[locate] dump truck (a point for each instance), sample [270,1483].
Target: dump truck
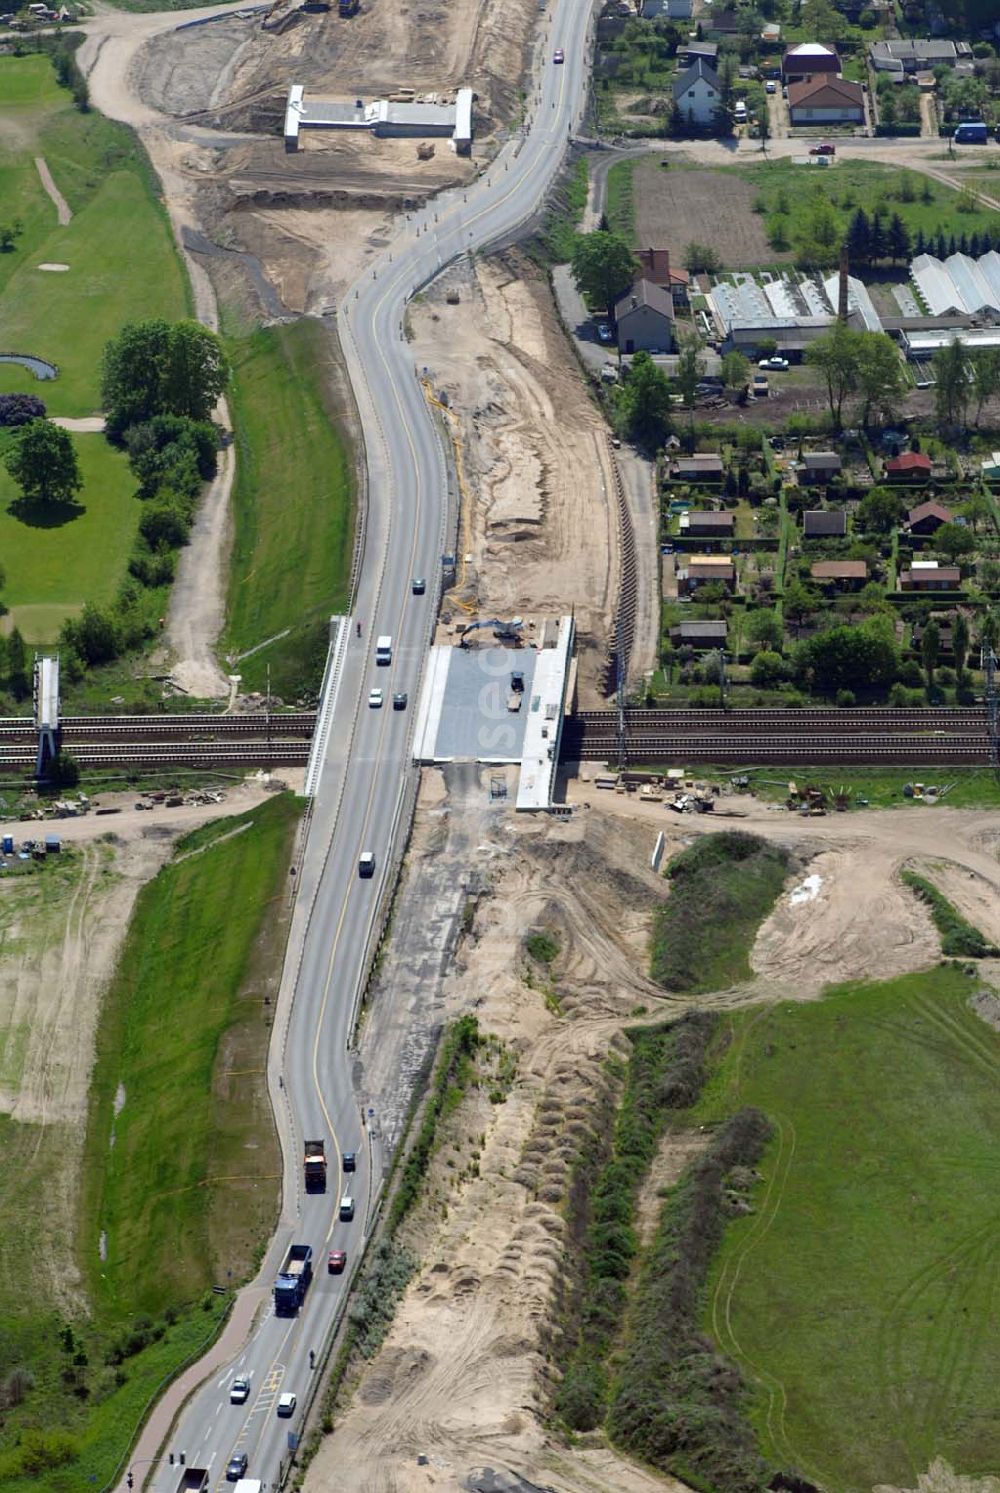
[293,1280]
[193,1480]
[315,1166]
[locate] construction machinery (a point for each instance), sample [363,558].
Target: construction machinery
[293,1280]
[347,7]
[505,632]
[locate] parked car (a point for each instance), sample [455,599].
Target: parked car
[375,699]
[824,149]
[558,56]
[286,1405]
[604,333]
[770,86]
[239,1391]
[336,1263]
[237,1467]
[773,362]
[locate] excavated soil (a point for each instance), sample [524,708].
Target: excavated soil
[539,520]
[463,1380]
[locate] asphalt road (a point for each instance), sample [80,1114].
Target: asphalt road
[367,765]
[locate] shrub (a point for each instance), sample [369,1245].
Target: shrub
[20,409]
[542,947]
[959,939]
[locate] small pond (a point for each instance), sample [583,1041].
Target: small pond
[37,366]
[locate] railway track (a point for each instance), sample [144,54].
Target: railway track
[173,754]
[753,747]
[640,724]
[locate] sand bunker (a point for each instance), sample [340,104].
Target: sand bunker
[55,268]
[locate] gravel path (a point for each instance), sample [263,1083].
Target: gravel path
[59,201]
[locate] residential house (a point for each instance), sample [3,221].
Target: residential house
[701,635]
[822,523]
[770,34]
[928,575]
[991,467]
[672,10]
[698,94]
[819,467]
[946,636]
[927,518]
[913,56]
[656,266]
[699,525]
[699,570]
[840,575]
[909,466]
[644,318]
[707,466]
[826,100]
[689,52]
[809,60]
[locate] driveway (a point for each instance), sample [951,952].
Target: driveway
[578,321]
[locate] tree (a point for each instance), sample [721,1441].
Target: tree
[951,391]
[799,601]
[767,669]
[161,368]
[18,409]
[879,511]
[880,378]
[603,267]
[43,463]
[764,628]
[977,509]
[852,658]
[735,370]
[985,376]
[689,369]
[930,648]
[898,239]
[953,541]
[700,259]
[835,354]
[646,402]
[859,240]
[960,643]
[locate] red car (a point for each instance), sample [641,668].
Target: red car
[823,150]
[335,1264]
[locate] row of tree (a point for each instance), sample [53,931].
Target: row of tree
[964,377]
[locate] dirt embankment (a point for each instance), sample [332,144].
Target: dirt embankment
[464,1378]
[538,514]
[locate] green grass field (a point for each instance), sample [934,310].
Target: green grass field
[293,502]
[192,935]
[55,561]
[859,1296]
[104,174]
[852,184]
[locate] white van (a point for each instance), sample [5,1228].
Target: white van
[346,1208]
[383,649]
[740,112]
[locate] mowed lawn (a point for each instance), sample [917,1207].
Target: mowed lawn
[860,1298]
[294,493]
[56,560]
[122,267]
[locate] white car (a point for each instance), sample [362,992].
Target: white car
[375,699]
[239,1391]
[286,1405]
[773,363]
[770,86]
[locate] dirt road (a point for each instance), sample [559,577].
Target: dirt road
[62,207]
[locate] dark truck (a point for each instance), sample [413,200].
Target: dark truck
[293,1279]
[193,1480]
[315,1166]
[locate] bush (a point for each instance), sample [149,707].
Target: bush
[721,888]
[959,939]
[542,947]
[20,409]
[846,699]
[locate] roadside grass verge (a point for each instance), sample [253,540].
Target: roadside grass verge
[553,244]
[872,1240]
[959,939]
[722,887]
[58,557]
[179,989]
[293,505]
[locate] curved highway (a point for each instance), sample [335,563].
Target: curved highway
[364,775]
